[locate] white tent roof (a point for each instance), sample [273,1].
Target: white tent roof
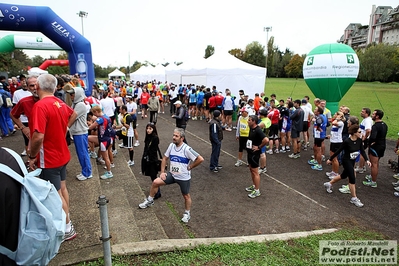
[223,71]
[149,73]
[116,73]
[35,71]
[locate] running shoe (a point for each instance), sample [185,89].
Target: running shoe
[312,162]
[107,175]
[186,217]
[238,163]
[146,203]
[70,235]
[317,167]
[250,188]
[357,202]
[328,187]
[344,189]
[254,194]
[370,184]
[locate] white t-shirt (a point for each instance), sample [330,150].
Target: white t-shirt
[108,105]
[131,106]
[336,133]
[173,94]
[366,124]
[180,158]
[307,112]
[18,95]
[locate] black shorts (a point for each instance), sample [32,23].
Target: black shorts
[305,126]
[273,132]
[144,106]
[377,151]
[228,112]
[318,142]
[335,146]
[253,159]
[242,143]
[54,175]
[295,134]
[193,104]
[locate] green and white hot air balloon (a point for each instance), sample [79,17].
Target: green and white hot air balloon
[329,71]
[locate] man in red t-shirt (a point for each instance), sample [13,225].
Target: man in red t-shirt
[274,116]
[48,125]
[24,107]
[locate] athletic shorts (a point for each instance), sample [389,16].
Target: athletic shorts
[295,134]
[200,106]
[193,104]
[318,142]
[253,159]
[105,144]
[184,184]
[54,175]
[377,151]
[305,126]
[242,143]
[273,132]
[228,112]
[128,142]
[335,146]
[144,106]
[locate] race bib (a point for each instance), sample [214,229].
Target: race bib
[249,144]
[353,155]
[175,169]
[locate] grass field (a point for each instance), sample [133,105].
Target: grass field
[301,251]
[373,95]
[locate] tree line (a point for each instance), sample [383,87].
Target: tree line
[378,62]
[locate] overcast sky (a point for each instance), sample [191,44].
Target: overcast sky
[159,31]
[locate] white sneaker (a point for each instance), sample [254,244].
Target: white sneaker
[328,187]
[121,145]
[331,174]
[130,163]
[360,170]
[114,152]
[81,177]
[323,158]
[23,153]
[112,165]
[357,202]
[137,143]
[396,194]
[269,152]
[238,163]
[262,170]
[146,203]
[101,160]
[186,217]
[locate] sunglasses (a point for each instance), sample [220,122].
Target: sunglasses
[150,123]
[359,131]
[32,85]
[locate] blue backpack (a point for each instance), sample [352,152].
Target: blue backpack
[42,220]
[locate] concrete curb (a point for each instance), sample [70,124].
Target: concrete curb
[165,245]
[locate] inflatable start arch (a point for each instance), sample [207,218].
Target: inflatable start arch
[43,19]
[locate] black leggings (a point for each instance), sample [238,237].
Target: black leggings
[349,171]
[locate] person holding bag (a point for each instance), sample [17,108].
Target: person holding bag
[150,154]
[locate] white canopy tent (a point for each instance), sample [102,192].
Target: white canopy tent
[223,71]
[116,74]
[149,73]
[35,71]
